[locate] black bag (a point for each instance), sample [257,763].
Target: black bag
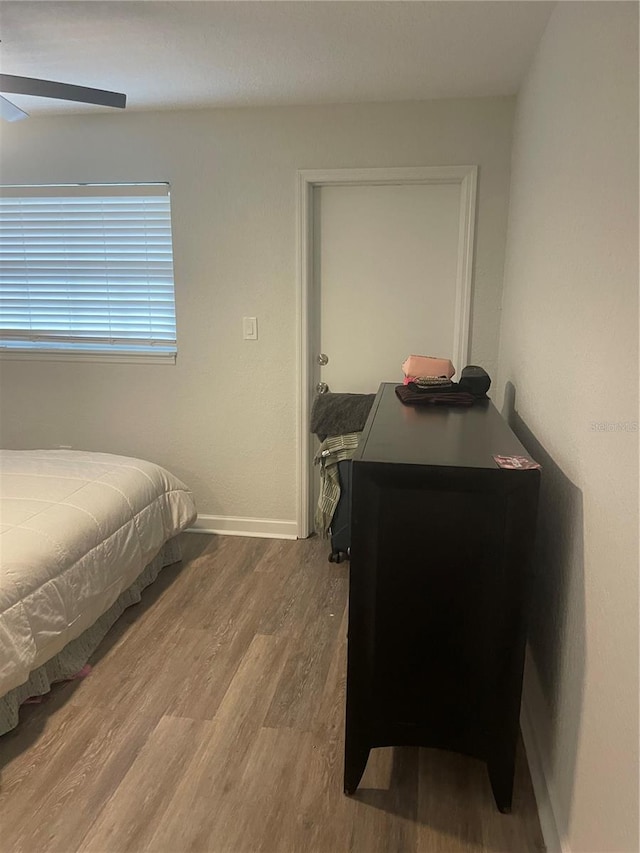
[341,521]
[475,380]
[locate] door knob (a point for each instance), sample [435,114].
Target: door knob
[322,387]
[323,359]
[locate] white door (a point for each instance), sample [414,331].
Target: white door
[385,260]
[385,273]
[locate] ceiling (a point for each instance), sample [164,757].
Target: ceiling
[166,55]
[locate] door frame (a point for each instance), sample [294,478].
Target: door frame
[308,180]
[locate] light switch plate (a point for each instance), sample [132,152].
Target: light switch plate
[250,328]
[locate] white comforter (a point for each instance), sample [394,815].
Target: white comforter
[76,529]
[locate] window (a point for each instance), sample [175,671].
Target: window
[87,271]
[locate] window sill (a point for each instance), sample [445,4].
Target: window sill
[121,357]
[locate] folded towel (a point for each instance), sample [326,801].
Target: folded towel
[426,398]
[449,388]
[337,414]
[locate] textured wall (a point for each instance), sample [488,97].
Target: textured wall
[224,417]
[568,371]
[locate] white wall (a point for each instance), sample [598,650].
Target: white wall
[224,417]
[569,361]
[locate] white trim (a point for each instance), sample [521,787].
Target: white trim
[393,175]
[466,177]
[466,233]
[62,355]
[158,189]
[553,841]
[229,525]
[303,242]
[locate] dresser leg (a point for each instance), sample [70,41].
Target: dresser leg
[501,773]
[355,761]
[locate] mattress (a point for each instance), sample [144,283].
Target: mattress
[76,529]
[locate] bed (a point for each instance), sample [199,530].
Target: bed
[81,534]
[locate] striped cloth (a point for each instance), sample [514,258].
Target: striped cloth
[333,449]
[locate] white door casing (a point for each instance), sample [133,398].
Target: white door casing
[465,177]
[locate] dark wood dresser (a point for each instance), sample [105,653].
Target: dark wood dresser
[439,586]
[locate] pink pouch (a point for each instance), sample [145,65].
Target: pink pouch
[425,365]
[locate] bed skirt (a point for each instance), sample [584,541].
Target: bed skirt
[76,653]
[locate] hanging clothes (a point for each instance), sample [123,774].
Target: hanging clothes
[333,449]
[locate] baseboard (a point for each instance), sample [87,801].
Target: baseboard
[554,842]
[229,525]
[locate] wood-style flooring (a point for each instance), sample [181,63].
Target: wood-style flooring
[213,722]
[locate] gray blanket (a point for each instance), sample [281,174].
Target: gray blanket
[336,414]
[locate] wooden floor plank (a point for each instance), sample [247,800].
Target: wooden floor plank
[213,721]
[293,587]
[452,803]
[301,685]
[209,788]
[129,818]
[92,753]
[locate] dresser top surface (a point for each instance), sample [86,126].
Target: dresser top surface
[439,436]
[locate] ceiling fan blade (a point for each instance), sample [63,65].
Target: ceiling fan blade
[9,111]
[63,91]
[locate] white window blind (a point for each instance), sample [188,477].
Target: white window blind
[87,269]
